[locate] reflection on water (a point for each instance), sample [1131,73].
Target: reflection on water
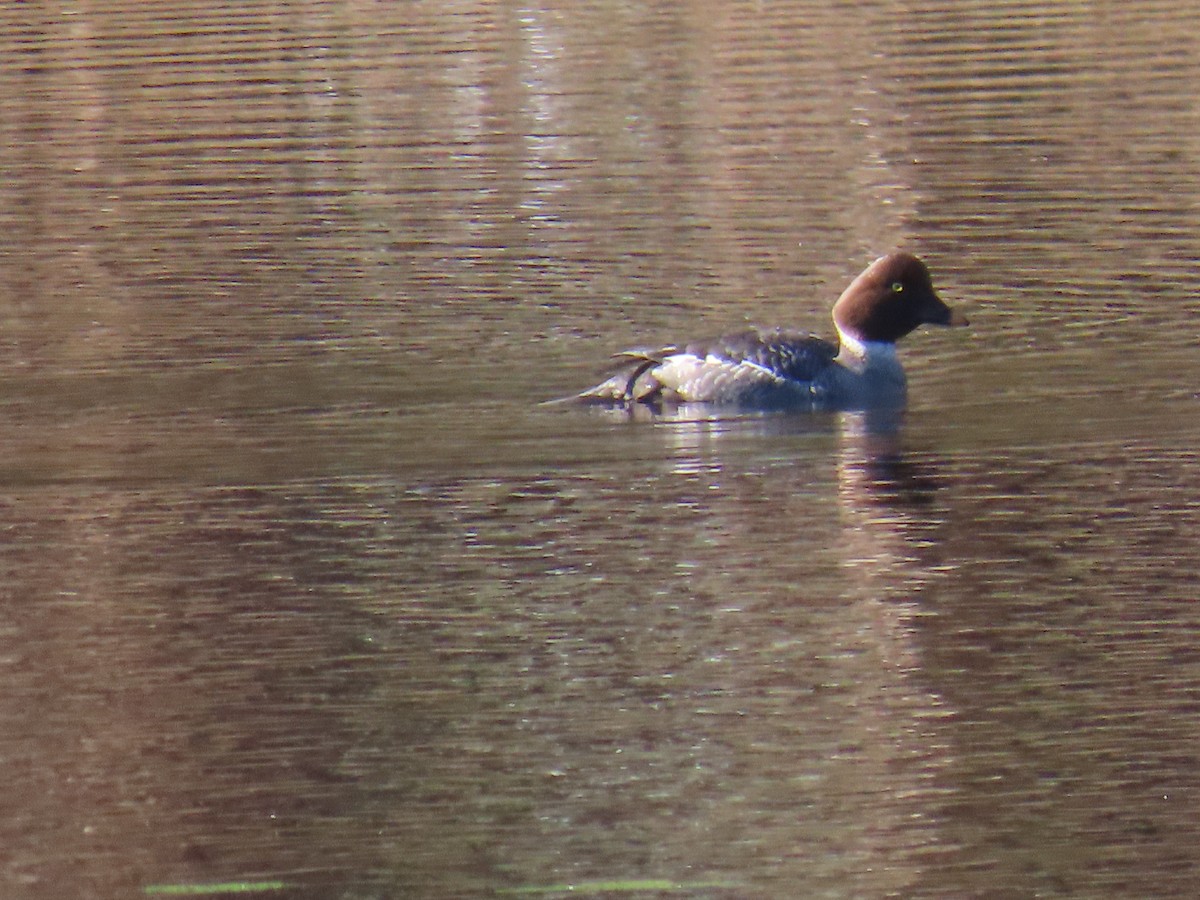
[802,657]
[303,585]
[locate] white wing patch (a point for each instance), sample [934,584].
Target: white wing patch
[712,379]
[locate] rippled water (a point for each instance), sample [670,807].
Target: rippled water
[305,592]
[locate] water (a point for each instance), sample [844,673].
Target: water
[304,589]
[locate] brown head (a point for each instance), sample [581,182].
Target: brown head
[893,296]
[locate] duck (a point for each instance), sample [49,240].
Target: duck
[778,368]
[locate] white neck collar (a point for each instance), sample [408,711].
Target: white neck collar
[859,354]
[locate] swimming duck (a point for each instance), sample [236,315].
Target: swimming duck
[780,369]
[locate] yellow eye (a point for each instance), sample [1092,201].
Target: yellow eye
[897,287]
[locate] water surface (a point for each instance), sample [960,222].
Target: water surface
[303,588]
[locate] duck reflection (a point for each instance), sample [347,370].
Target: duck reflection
[808,545]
